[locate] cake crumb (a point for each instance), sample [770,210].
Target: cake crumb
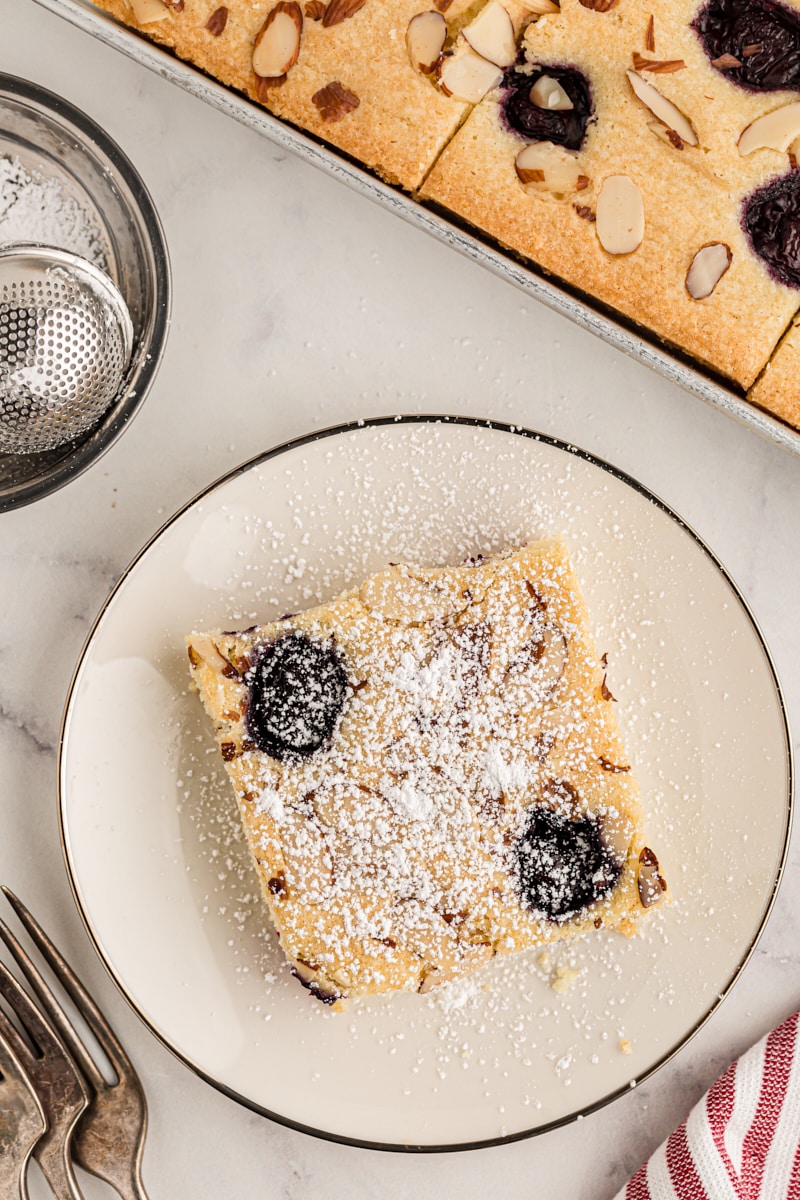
[564,979]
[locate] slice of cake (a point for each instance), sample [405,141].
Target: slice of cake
[430,773]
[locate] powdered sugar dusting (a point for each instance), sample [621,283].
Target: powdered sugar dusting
[35,209]
[388,866]
[270,801]
[455,494]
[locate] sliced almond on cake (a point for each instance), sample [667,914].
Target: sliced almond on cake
[334,101]
[277,44]
[551,166]
[467,76]
[204,649]
[217,21]
[549,94]
[540,7]
[148,11]
[337,11]
[651,883]
[491,35]
[425,38]
[669,136]
[776,130]
[657,66]
[707,268]
[662,108]
[620,215]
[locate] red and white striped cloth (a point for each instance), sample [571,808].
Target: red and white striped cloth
[742,1140]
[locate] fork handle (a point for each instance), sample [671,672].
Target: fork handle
[23,1180]
[127,1183]
[57,1170]
[13,1174]
[132,1190]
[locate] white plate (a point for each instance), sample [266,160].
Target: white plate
[164,883]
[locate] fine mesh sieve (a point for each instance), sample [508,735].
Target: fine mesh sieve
[65,345]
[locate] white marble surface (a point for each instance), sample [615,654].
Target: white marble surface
[297,304]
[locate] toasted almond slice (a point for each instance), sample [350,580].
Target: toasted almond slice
[707,268]
[425,38]
[665,135]
[278,42]
[774,131]
[491,35]
[335,101]
[217,21]
[148,11]
[620,215]
[551,166]
[651,883]
[548,93]
[662,108]
[314,978]
[202,648]
[616,832]
[661,131]
[540,7]
[337,11]
[650,35]
[657,66]
[467,76]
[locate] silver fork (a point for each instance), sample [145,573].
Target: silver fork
[22,1123]
[56,1081]
[108,1139]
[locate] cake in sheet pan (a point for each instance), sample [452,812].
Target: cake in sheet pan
[646,203]
[430,773]
[351,79]
[666,198]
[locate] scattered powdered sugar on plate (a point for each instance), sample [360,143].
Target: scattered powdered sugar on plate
[525,1041]
[419,517]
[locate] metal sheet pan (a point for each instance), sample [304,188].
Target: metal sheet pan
[581,310]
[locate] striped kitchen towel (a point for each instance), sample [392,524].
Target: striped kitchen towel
[742,1140]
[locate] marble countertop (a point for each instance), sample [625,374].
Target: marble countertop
[297,306]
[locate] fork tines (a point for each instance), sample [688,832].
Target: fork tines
[99,1125]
